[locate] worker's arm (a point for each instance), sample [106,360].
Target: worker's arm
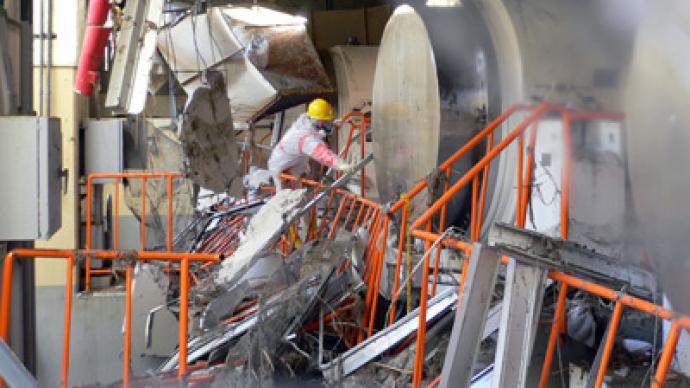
[312,145]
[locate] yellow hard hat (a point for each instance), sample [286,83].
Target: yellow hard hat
[321,109]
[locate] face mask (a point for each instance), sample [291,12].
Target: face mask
[324,127]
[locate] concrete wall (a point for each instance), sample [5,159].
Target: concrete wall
[95,342]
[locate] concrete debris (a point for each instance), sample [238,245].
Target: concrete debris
[265,317]
[208,138]
[285,296]
[261,232]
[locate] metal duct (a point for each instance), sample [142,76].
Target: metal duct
[266,57]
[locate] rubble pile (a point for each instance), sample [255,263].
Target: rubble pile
[286,303]
[290,303]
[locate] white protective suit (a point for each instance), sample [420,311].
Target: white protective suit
[301,142]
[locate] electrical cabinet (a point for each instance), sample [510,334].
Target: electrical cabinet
[31,176]
[103,146]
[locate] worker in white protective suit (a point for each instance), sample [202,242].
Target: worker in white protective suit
[304,140]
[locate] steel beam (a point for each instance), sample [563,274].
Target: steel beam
[12,370]
[522,301]
[470,318]
[566,256]
[374,346]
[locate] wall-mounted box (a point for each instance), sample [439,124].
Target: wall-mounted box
[103,146]
[31,176]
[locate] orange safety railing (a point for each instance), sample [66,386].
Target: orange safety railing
[357,121]
[355,210]
[117,179]
[477,177]
[71,256]
[346,210]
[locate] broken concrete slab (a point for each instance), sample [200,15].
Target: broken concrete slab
[208,138]
[262,232]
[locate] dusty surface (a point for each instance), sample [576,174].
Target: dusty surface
[267,66]
[406,105]
[261,230]
[208,138]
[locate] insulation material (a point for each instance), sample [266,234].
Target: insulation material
[262,230]
[406,107]
[269,63]
[261,17]
[208,138]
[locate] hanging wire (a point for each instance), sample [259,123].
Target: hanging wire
[199,58]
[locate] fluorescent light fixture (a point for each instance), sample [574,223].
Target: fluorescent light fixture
[443,3]
[261,16]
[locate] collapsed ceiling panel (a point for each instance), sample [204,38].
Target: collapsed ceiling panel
[246,88]
[208,138]
[131,71]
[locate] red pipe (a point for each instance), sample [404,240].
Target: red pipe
[95,38]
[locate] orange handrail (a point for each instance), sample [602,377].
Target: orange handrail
[421,228]
[352,211]
[117,179]
[363,122]
[71,256]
